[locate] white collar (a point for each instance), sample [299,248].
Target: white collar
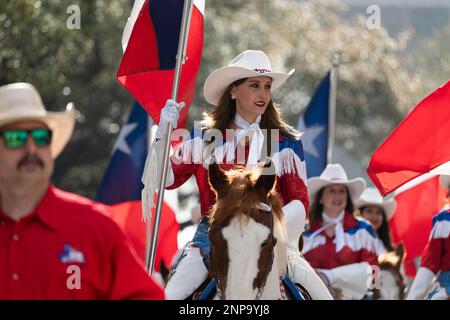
[256,143]
[242,124]
[327,219]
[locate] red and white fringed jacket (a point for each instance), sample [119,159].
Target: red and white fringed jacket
[350,268]
[289,161]
[436,255]
[359,245]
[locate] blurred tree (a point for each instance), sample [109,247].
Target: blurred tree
[374,91]
[65,65]
[433,59]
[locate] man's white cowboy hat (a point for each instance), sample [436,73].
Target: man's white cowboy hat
[372,197]
[335,174]
[445,181]
[22,102]
[250,63]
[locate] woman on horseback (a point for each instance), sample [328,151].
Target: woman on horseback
[377,211]
[435,257]
[244,121]
[339,246]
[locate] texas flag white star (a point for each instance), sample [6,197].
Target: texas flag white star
[311,133]
[121,143]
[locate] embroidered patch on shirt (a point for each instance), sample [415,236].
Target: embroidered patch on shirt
[70,254]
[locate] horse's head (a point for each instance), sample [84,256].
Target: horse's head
[392,282]
[246,232]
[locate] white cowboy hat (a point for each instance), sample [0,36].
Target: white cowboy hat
[21,102]
[335,174]
[250,63]
[372,197]
[445,181]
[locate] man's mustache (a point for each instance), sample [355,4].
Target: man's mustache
[30,158]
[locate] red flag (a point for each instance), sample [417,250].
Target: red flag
[411,222]
[147,66]
[419,144]
[128,216]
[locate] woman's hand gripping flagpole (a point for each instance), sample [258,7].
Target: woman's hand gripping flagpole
[148,193]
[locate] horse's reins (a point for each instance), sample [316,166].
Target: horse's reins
[266,208]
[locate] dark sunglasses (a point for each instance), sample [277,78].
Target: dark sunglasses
[17,138]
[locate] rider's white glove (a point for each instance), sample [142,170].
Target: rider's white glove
[169,114]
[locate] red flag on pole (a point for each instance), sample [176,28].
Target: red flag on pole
[148,65]
[411,222]
[418,145]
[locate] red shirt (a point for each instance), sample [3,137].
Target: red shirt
[360,245]
[68,248]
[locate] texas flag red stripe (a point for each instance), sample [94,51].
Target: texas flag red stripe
[146,70]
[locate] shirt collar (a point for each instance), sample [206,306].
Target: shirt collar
[45,210]
[348,223]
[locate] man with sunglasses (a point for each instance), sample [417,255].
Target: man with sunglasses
[54,244]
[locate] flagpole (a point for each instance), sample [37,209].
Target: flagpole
[181,56]
[332,109]
[150,123]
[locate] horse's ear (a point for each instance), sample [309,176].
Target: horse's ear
[266,180]
[217,178]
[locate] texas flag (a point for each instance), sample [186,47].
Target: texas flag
[314,124]
[419,145]
[148,65]
[121,189]
[417,202]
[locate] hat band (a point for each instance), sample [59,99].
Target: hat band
[262,70]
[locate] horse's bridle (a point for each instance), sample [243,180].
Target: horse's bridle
[272,241]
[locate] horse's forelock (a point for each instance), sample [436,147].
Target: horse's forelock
[240,197]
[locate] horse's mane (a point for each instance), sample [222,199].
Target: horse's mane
[238,200]
[393,258]
[389,259]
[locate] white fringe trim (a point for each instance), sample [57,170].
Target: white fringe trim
[312,243]
[149,180]
[441,230]
[286,160]
[190,151]
[361,239]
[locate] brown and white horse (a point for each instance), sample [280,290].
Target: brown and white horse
[392,286]
[247,234]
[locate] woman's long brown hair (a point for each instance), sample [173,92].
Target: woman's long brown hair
[222,116]
[383,231]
